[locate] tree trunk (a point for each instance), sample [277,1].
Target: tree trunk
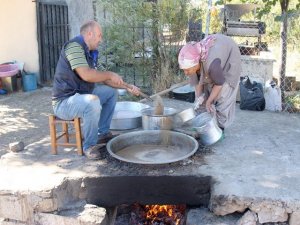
[283,45]
[208,18]
[155,44]
[163,74]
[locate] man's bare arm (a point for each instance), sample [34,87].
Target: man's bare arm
[94,76]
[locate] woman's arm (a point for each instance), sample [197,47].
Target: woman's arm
[216,74]
[213,95]
[198,90]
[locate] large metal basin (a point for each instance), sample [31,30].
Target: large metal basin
[127,115]
[152,146]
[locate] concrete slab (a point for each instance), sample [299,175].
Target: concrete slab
[255,167]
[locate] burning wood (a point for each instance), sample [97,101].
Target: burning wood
[157,214]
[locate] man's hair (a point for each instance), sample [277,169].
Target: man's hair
[88,26]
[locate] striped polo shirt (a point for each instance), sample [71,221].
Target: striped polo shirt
[75,55]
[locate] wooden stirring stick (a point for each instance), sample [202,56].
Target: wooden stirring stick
[141,93]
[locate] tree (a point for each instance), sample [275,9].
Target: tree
[284,5]
[173,14]
[163,24]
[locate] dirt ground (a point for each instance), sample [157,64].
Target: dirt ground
[24,117]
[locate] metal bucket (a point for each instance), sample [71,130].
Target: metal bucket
[206,126]
[158,122]
[186,115]
[152,146]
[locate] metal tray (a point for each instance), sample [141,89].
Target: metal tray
[152,147]
[184,89]
[185,93]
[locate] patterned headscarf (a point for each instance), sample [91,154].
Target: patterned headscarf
[194,52]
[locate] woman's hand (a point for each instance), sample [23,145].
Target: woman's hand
[199,101]
[209,107]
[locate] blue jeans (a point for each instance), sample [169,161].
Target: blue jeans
[96,110]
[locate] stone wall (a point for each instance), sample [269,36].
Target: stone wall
[258,68]
[62,205]
[79,12]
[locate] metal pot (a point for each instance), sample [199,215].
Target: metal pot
[186,115]
[152,146]
[158,122]
[206,126]
[127,115]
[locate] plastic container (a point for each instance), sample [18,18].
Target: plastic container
[8,70]
[3,92]
[29,82]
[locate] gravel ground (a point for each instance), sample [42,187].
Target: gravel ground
[24,117]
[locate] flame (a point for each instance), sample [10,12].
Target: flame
[156,212]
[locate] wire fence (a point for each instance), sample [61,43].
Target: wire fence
[272,59]
[267,55]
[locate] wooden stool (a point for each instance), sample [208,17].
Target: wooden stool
[53,120]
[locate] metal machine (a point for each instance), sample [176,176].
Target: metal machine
[235,26]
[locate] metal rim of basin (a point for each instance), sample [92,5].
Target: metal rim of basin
[129,135]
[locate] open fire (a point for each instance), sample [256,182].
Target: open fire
[157,214]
